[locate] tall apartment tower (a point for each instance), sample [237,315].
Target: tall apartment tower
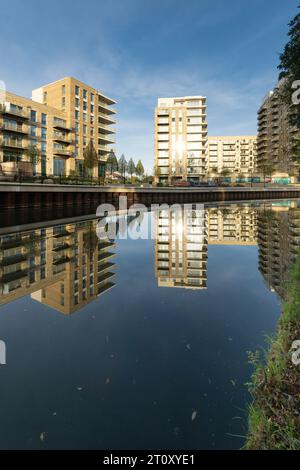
[276,138]
[89,114]
[181,248]
[180,139]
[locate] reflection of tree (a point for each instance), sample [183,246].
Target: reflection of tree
[90,240]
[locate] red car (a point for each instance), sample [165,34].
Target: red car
[181,183]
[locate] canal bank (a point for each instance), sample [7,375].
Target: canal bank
[16,195]
[274,415]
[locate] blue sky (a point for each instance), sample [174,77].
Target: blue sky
[138,50]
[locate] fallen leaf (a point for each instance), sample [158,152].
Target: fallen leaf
[43,436]
[194,414]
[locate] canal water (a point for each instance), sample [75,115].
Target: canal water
[139,341]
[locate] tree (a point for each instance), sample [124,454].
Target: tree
[112,162]
[34,156]
[225,173]
[267,169]
[289,67]
[90,158]
[123,166]
[139,169]
[131,168]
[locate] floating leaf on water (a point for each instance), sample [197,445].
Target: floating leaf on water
[43,436]
[188,346]
[107,381]
[233,382]
[54,413]
[194,415]
[79,389]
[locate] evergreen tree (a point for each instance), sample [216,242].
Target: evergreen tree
[90,158]
[131,168]
[123,166]
[139,168]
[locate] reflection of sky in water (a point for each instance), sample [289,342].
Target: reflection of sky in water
[131,368]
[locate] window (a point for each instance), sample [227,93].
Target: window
[43,148]
[45,97]
[76,114]
[92,97]
[33,131]
[84,106]
[33,115]
[63,90]
[44,133]
[92,108]
[76,127]
[44,119]
[84,94]
[84,117]
[76,102]
[63,102]
[84,129]
[77,90]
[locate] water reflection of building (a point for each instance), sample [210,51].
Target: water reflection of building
[278,242]
[181,248]
[64,267]
[232,225]
[182,240]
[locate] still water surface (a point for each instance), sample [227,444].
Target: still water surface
[139,343]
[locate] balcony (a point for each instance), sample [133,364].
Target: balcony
[12,143]
[105,119]
[63,152]
[102,139]
[103,129]
[11,127]
[60,124]
[105,109]
[61,137]
[16,112]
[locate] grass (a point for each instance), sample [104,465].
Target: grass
[274,415]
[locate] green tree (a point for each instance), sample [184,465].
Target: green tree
[225,173]
[123,167]
[267,169]
[289,67]
[34,156]
[131,168]
[90,158]
[112,162]
[139,169]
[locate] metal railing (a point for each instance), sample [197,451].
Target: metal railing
[50,179]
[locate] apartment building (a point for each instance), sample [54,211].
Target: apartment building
[89,276]
[276,139]
[64,267]
[180,139]
[60,121]
[233,156]
[232,225]
[181,248]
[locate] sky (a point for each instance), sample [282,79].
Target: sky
[138,50]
